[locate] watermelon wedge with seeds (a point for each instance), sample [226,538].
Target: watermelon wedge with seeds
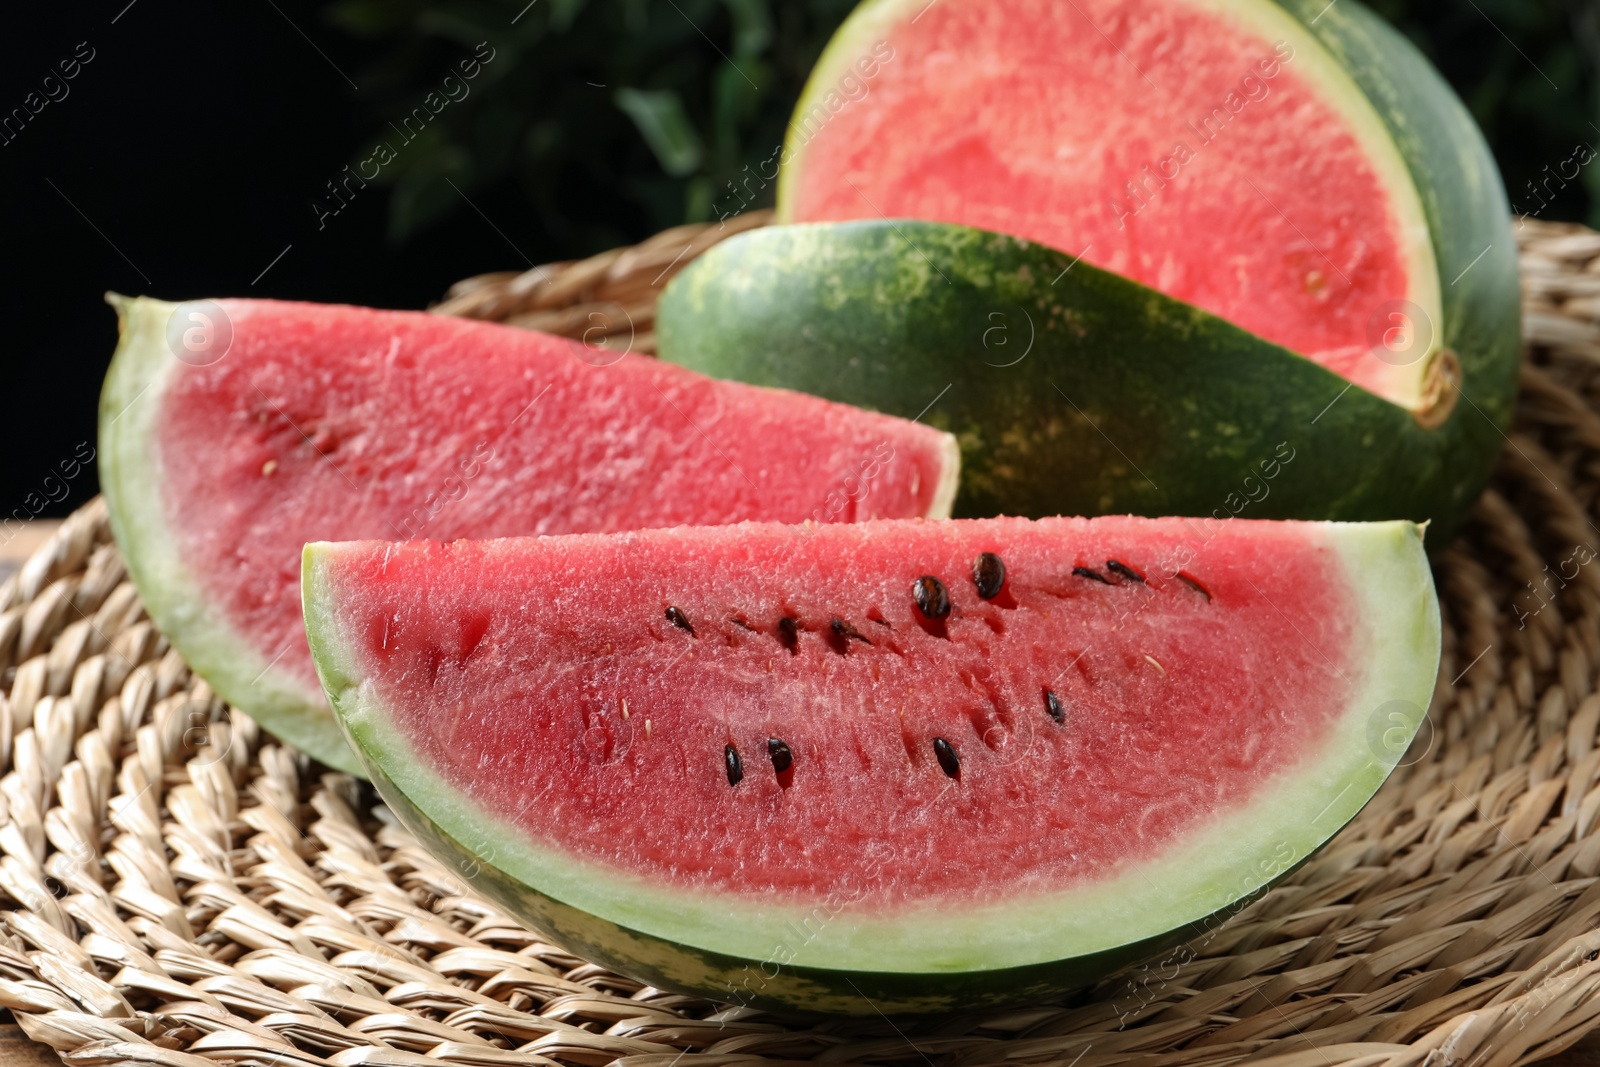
[234,431]
[898,765]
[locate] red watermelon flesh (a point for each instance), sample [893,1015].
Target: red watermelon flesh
[323,421]
[1122,691]
[1216,155]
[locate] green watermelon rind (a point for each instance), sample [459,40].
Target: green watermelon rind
[1130,432]
[919,960]
[1127,401]
[130,478]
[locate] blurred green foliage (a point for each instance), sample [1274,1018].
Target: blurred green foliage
[612,119]
[1527,70]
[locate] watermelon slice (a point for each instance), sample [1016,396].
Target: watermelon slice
[1305,244]
[895,766]
[1216,152]
[234,431]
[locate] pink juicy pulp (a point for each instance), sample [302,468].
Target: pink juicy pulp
[1031,117]
[542,679]
[326,422]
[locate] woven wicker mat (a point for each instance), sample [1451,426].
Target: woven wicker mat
[188,892]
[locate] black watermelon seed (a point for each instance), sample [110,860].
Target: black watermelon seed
[1194,583]
[789,633]
[989,575]
[730,756]
[740,622]
[949,762]
[933,599]
[844,631]
[1052,704]
[680,620]
[1085,572]
[1122,570]
[778,752]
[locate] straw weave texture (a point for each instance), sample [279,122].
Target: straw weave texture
[181,890]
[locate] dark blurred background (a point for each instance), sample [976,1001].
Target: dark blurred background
[192,152]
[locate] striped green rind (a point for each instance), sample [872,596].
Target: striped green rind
[1127,401]
[1071,390]
[827,956]
[131,479]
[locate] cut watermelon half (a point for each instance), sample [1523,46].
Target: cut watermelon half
[895,766]
[233,432]
[1218,152]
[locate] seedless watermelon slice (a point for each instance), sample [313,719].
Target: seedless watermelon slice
[894,766]
[1216,151]
[234,431]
